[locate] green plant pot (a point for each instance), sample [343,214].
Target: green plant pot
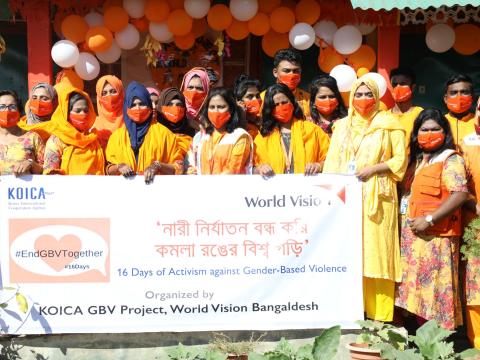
[362,352]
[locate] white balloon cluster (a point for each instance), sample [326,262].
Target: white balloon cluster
[345,76]
[440,38]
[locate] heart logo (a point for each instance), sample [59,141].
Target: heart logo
[57,250]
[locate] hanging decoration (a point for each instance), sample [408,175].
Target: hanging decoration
[3,47]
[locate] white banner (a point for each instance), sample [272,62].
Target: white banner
[186,253]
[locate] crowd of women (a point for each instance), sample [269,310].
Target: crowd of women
[420,169]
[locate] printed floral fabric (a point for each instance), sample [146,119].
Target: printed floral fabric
[28,146]
[53,155]
[429,286]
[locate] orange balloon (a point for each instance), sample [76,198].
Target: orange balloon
[110,3]
[291,4]
[259,24]
[141,24]
[184,42]
[69,77]
[74,28]
[273,41]
[199,27]
[467,39]
[219,17]
[267,6]
[328,59]
[282,19]
[364,57]
[157,10]
[179,22]
[362,71]
[99,38]
[238,30]
[346,98]
[115,18]
[307,11]
[57,23]
[176,4]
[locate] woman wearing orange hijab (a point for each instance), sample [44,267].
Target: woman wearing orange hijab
[110,96]
[73,149]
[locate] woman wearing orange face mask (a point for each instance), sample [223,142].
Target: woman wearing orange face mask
[247,94]
[195,87]
[172,114]
[326,103]
[73,149]
[223,147]
[459,99]
[142,146]
[20,152]
[110,95]
[435,187]
[370,144]
[287,144]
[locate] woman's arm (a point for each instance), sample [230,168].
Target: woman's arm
[52,161]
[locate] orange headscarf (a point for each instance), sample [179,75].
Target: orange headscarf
[108,121]
[83,155]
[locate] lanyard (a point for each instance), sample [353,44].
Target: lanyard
[211,151]
[288,158]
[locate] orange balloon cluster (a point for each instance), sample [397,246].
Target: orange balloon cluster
[282,19]
[179,22]
[238,30]
[74,28]
[364,57]
[259,24]
[115,18]
[273,41]
[141,24]
[219,17]
[157,10]
[99,38]
[184,42]
[328,59]
[267,6]
[467,39]
[199,27]
[307,11]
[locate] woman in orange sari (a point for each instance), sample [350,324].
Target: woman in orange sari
[110,96]
[73,149]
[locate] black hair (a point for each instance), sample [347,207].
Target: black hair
[436,115]
[13,94]
[405,71]
[459,78]
[329,82]
[290,55]
[212,75]
[234,110]
[242,83]
[268,121]
[74,97]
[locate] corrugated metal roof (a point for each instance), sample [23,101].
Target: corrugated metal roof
[412,4]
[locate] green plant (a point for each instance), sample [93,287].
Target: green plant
[226,345]
[375,334]
[471,240]
[181,352]
[285,351]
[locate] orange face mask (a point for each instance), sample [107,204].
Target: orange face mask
[253,106]
[459,104]
[364,106]
[40,107]
[326,106]
[110,102]
[9,118]
[402,93]
[218,119]
[173,113]
[194,98]
[431,140]
[283,112]
[291,80]
[139,115]
[80,121]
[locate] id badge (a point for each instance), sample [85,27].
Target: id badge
[351,168]
[403,205]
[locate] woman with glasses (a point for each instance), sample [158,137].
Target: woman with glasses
[21,152]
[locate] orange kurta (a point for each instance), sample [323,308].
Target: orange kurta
[461,127]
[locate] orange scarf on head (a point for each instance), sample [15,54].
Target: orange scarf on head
[83,155]
[108,121]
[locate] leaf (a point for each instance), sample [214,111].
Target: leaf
[409,354]
[370,325]
[470,353]
[326,344]
[274,355]
[427,337]
[251,356]
[284,347]
[217,355]
[21,302]
[444,349]
[304,352]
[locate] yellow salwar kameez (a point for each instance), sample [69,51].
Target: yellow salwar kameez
[366,142]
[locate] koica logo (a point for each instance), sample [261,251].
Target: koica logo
[59,250]
[26,193]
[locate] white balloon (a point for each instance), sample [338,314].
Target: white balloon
[94,19]
[65,53]
[325,30]
[111,55]
[345,76]
[160,31]
[440,38]
[347,39]
[243,10]
[128,38]
[197,9]
[301,36]
[380,80]
[366,29]
[87,66]
[134,8]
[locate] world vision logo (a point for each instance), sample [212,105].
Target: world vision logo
[59,250]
